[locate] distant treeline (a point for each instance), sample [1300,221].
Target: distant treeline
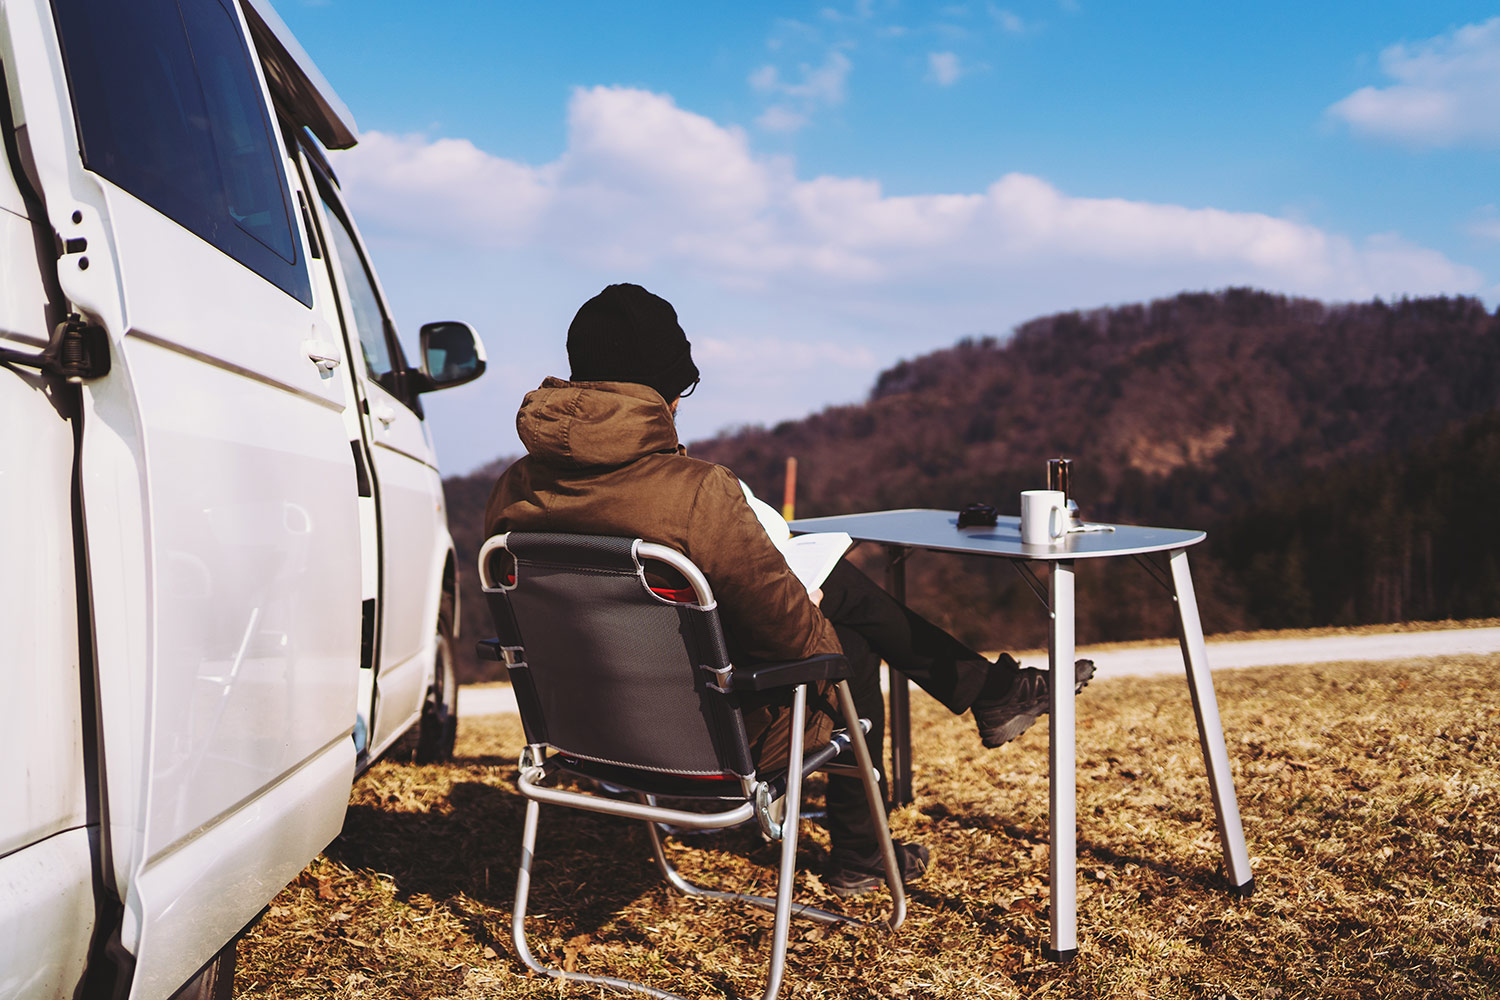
[1404,536]
[1342,458]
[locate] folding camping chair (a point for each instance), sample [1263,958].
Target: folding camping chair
[631,689]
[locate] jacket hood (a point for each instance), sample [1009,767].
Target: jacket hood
[585,424]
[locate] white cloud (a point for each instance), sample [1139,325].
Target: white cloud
[1486,224]
[798,100]
[797,288]
[430,186]
[645,185]
[632,143]
[643,179]
[780,118]
[819,85]
[765,79]
[943,68]
[1008,20]
[1446,91]
[862,10]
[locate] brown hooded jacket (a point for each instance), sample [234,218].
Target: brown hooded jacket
[603,458]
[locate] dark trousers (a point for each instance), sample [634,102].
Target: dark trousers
[873,626]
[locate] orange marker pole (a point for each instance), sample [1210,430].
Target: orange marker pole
[789,496]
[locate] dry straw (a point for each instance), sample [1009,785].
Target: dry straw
[1370,795]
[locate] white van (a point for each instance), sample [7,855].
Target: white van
[226,580]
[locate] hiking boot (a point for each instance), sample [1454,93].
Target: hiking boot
[1004,717]
[856,880]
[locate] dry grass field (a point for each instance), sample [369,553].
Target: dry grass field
[1370,795]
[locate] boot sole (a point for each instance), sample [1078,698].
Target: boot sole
[1009,729]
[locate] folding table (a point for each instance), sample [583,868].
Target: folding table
[905,531]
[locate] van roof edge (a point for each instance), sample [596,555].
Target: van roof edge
[295,80]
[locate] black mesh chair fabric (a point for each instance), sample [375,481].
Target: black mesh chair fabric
[614,673]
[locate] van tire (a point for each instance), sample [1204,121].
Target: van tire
[438,730]
[215,981]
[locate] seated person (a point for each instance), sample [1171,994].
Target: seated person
[603,458]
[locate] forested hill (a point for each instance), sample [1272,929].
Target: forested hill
[1182,408]
[1344,459]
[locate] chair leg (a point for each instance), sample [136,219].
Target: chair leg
[523,887]
[518,920]
[787,876]
[782,906]
[681,883]
[877,806]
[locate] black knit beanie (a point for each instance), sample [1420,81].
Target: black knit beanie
[626,334]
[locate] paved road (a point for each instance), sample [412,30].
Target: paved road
[1147,661]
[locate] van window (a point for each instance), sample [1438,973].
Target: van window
[168,107]
[364,304]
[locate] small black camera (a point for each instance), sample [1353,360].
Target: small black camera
[976,514]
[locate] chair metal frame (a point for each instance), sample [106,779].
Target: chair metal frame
[775,802]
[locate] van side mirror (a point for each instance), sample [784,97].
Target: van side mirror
[452,354]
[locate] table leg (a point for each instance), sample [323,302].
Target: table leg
[898,707]
[1210,729]
[1061,758]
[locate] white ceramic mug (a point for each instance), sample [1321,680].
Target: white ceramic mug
[1044,516]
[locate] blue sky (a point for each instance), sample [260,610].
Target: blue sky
[824,189]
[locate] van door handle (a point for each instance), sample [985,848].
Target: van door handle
[385,415]
[322,354]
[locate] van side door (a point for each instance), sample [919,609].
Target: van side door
[218,487]
[408,486]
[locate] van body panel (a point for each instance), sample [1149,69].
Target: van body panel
[257,581]
[407,489]
[23,297]
[10,198]
[404,685]
[192,559]
[190,902]
[238,579]
[110,460]
[49,917]
[413,533]
[247,561]
[226,594]
[41,724]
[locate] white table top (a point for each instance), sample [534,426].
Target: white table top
[938,530]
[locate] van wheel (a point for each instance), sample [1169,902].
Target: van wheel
[439,726]
[215,981]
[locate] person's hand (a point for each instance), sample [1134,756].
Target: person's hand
[816,596]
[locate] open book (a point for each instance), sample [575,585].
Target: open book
[811,557]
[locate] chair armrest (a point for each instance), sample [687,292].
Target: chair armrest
[768,676]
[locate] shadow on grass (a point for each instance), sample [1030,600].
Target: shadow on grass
[992,919]
[1212,881]
[588,871]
